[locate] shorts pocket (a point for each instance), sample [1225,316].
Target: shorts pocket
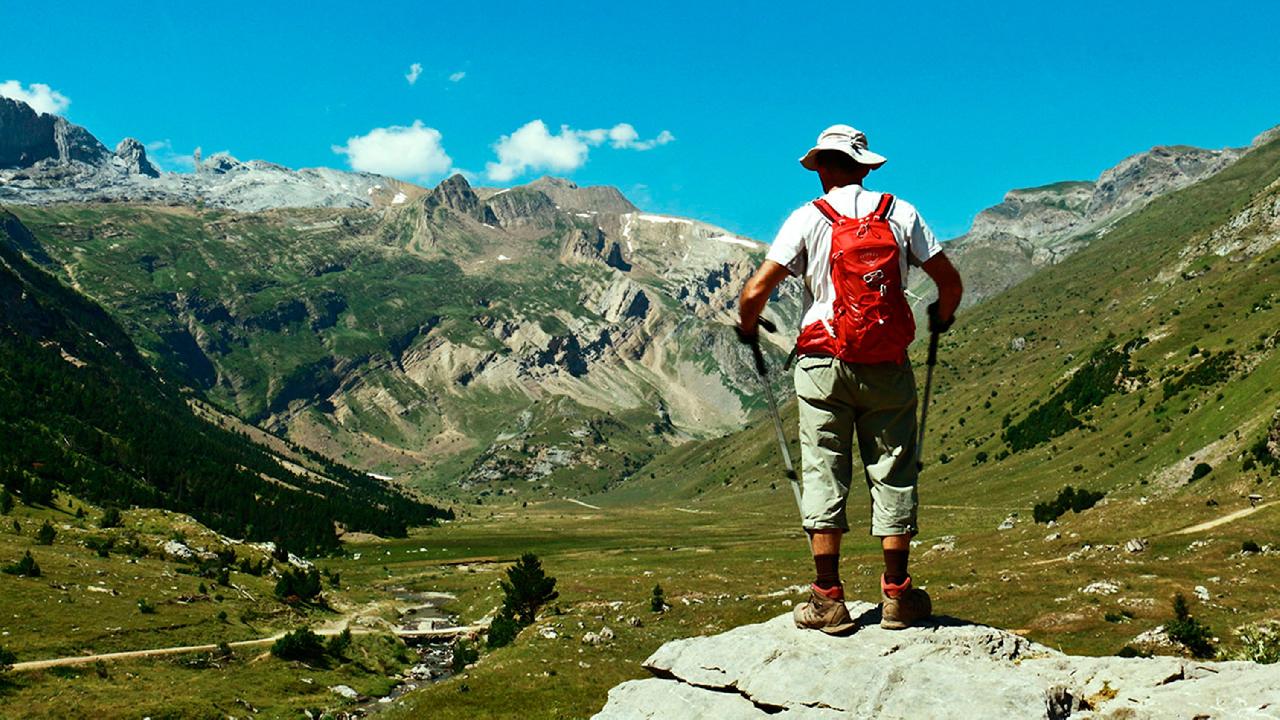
[811,362]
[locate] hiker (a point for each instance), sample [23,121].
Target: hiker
[852,247]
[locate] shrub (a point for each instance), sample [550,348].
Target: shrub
[145,607]
[46,534]
[1259,643]
[464,653]
[1069,498]
[503,630]
[1201,469]
[1087,388]
[298,585]
[6,501]
[26,566]
[102,546]
[110,517]
[338,644]
[1189,632]
[1249,546]
[301,645]
[7,659]
[657,602]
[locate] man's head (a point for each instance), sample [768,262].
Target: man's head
[841,157]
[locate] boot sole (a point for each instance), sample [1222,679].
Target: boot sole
[842,629]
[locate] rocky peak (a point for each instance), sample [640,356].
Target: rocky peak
[522,206]
[133,155]
[1040,226]
[774,669]
[220,164]
[28,137]
[455,193]
[1139,178]
[595,199]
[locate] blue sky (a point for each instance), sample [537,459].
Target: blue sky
[966,101]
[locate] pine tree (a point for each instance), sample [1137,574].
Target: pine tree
[528,590]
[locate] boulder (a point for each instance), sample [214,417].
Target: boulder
[946,669]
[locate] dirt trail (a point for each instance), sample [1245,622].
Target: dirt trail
[136,654]
[585,505]
[325,629]
[1229,517]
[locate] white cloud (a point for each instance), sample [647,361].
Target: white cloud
[415,70]
[40,97]
[624,137]
[164,156]
[534,147]
[457,77]
[413,152]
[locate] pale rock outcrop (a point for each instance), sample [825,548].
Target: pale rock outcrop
[133,157]
[592,199]
[624,299]
[522,207]
[1036,227]
[948,669]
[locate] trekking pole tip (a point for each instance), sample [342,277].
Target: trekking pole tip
[791,475]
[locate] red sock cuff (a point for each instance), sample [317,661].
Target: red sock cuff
[835,592]
[894,590]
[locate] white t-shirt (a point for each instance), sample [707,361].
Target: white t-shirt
[803,245]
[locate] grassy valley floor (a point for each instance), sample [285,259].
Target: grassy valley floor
[728,560]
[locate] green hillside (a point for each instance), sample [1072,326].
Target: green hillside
[82,411]
[421,342]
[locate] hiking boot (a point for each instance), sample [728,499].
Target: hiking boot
[903,605]
[824,613]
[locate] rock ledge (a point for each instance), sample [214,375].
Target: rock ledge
[949,669]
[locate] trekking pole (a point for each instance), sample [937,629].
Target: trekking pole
[928,386]
[763,372]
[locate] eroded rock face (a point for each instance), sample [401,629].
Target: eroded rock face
[947,670]
[522,206]
[28,137]
[1036,227]
[133,156]
[456,194]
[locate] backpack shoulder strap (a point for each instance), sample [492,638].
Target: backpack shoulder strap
[886,204]
[827,211]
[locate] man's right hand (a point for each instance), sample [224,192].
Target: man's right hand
[752,336]
[937,325]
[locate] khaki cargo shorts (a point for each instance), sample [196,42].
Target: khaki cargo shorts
[877,404]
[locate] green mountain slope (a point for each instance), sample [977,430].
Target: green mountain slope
[508,345]
[1120,369]
[81,409]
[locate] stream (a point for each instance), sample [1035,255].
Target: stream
[435,657]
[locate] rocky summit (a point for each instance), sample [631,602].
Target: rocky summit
[44,159]
[1040,226]
[948,669]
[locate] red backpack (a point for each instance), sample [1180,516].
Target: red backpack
[872,321]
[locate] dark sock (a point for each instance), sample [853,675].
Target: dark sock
[895,566]
[828,567]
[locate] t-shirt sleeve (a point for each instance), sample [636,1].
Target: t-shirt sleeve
[921,242]
[789,247]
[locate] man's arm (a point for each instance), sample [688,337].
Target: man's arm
[755,295]
[947,278]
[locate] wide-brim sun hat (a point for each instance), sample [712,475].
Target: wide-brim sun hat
[846,139]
